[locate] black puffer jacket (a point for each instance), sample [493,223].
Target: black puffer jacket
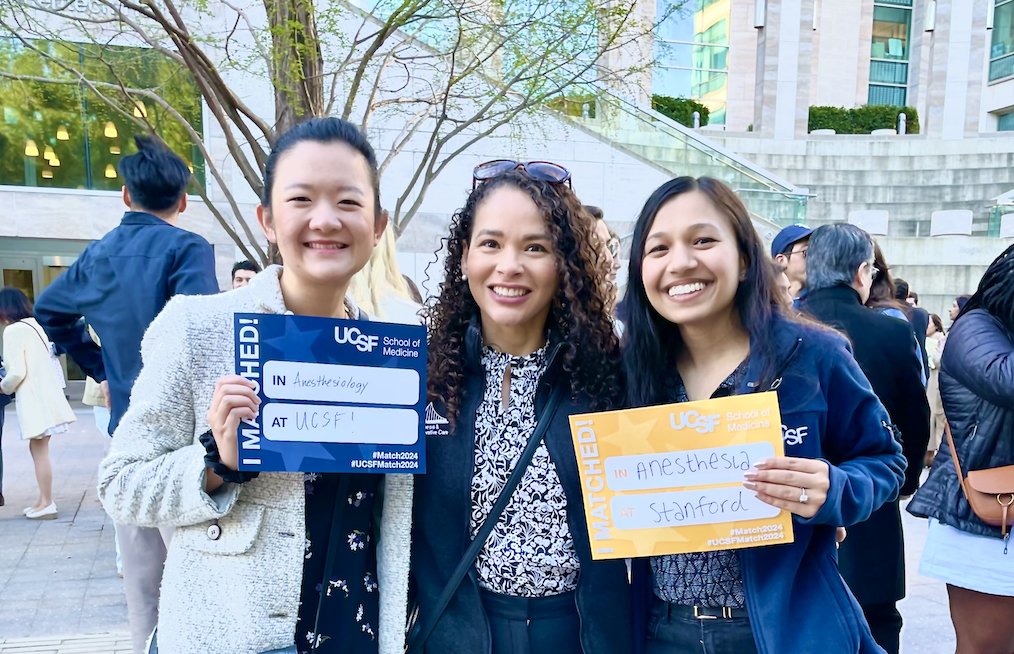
[977,387]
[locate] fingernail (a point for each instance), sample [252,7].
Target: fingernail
[749,485]
[763,463]
[750,475]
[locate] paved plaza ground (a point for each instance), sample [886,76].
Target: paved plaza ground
[59,593]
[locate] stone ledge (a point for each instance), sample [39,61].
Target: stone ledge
[108,643]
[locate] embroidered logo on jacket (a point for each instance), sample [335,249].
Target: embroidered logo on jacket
[795,436]
[435,423]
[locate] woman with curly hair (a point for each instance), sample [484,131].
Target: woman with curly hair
[520,340]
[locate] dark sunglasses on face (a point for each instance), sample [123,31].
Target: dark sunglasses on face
[545,171]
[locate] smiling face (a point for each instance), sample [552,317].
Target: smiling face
[692,266]
[322,214]
[511,269]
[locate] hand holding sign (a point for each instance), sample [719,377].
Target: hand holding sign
[783,481]
[235,399]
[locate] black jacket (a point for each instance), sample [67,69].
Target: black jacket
[919,318]
[442,508]
[977,388]
[872,558]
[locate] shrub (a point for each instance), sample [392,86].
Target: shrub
[680,109]
[862,120]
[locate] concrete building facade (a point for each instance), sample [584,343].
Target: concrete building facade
[760,64]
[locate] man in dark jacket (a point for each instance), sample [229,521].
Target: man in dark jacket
[118,285]
[840,272]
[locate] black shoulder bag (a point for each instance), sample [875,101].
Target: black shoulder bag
[421,633]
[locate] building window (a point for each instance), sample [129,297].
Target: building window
[1001,52]
[692,51]
[892,24]
[60,134]
[890,33]
[892,95]
[1005,122]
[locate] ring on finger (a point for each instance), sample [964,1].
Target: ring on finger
[803,497]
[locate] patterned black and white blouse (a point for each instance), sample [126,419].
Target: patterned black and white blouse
[530,552]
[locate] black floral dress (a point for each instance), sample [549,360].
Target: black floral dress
[351,606]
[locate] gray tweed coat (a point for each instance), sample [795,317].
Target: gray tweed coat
[239,593]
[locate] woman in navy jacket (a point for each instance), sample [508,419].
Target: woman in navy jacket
[705,321]
[521,317]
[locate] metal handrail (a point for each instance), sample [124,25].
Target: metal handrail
[694,140]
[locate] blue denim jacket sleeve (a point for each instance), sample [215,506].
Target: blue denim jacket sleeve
[193,269]
[865,460]
[59,312]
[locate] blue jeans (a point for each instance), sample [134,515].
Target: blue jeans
[671,632]
[153,649]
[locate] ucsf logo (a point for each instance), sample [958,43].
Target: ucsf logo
[693,420]
[353,336]
[794,436]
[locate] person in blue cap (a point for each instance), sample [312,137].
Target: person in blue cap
[789,250]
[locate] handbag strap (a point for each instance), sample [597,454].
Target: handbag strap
[45,343]
[954,457]
[424,628]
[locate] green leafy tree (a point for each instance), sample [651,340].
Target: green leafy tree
[445,74]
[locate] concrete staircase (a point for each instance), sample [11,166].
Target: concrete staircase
[664,143]
[909,176]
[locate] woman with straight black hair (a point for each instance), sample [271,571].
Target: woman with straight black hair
[283,563]
[520,339]
[706,320]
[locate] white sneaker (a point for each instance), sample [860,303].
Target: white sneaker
[45,513]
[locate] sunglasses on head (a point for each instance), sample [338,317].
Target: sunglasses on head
[545,171]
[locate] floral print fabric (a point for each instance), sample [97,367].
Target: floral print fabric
[351,604]
[530,552]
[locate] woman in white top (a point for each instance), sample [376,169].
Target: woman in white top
[278,562]
[43,409]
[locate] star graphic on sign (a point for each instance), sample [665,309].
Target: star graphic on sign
[300,339]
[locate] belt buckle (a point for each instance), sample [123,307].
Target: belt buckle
[700,616]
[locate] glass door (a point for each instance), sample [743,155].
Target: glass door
[19,273]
